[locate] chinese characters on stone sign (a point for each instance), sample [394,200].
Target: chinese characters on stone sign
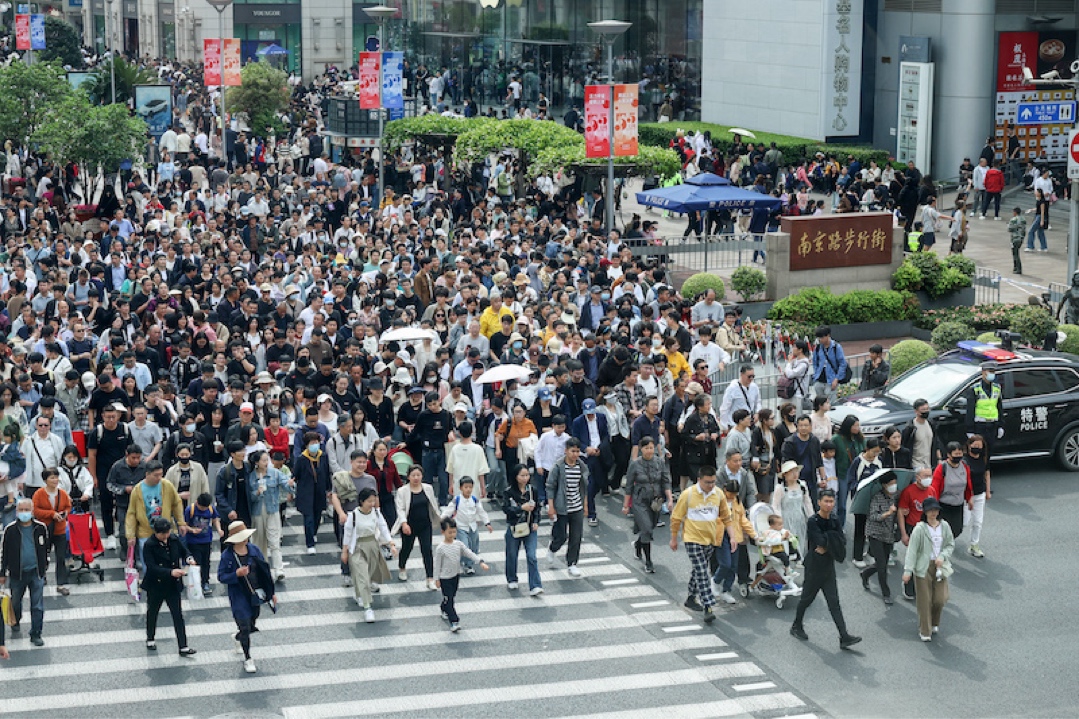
[841,61]
[839,240]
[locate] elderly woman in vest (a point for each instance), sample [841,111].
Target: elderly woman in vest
[648,487]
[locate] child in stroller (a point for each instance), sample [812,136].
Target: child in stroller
[773,576]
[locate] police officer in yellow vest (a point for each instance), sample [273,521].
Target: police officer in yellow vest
[985,408]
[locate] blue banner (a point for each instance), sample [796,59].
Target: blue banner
[153,103]
[37,32]
[393,97]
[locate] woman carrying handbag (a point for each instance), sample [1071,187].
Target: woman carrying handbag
[165,557]
[522,525]
[244,570]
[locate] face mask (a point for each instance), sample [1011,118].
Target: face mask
[954,460]
[890,489]
[990,376]
[605,296]
[517,345]
[189,428]
[313,447]
[260,402]
[24,516]
[975,451]
[185,460]
[924,415]
[431,378]
[925,482]
[71,462]
[390,303]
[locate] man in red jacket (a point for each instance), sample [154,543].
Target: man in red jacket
[994,185]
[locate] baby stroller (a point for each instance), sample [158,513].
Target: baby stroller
[84,542]
[771,579]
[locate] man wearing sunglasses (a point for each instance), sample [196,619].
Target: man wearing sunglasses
[742,393]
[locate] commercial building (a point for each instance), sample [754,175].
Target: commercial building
[830,69]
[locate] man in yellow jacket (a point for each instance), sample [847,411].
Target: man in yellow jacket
[491,318]
[152,498]
[702,516]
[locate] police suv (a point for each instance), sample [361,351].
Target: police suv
[1040,398]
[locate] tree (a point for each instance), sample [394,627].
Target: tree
[61,43]
[262,96]
[91,135]
[28,93]
[127,77]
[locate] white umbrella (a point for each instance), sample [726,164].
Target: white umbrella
[740,131]
[407,334]
[504,373]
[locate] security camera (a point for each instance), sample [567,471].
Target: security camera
[1008,339]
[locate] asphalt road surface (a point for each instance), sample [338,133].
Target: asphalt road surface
[1006,645]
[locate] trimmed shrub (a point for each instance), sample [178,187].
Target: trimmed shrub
[909,353]
[989,338]
[1033,324]
[947,334]
[817,306]
[696,285]
[1071,341]
[748,282]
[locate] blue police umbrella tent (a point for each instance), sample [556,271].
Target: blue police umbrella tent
[274,50]
[706,191]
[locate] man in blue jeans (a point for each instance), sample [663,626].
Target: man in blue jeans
[434,428]
[23,564]
[726,555]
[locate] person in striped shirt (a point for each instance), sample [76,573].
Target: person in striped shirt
[702,515]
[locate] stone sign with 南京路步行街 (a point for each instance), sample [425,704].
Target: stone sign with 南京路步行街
[843,240]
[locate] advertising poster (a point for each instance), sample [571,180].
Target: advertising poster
[211,62]
[230,62]
[22,32]
[76,79]
[1044,53]
[37,32]
[625,120]
[597,107]
[153,103]
[369,81]
[393,98]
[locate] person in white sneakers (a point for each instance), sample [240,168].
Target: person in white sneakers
[364,535]
[244,570]
[566,486]
[468,512]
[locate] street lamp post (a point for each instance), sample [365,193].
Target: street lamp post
[380,14]
[221,6]
[112,53]
[609,31]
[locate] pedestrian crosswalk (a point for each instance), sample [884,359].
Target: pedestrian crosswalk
[608,645]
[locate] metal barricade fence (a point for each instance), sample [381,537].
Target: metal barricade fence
[767,377]
[1056,292]
[986,286]
[711,252]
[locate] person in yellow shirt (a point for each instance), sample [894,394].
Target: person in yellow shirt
[676,361]
[702,515]
[491,318]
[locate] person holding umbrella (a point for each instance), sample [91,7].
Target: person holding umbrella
[881,529]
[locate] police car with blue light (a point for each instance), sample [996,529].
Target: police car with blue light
[1025,402]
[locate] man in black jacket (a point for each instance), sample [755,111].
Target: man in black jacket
[826,546]
[26,570]
[434,426]
[922,438]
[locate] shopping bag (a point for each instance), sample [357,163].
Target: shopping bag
[191,583]
[131,575]
[7,610]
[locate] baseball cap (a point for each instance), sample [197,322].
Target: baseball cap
[247,407]
[589,406]
[545,393]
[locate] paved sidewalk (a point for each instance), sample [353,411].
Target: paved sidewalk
[988,245]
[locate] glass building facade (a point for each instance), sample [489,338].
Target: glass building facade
[548,45]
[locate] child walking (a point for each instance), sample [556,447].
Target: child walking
[202,519]
[447,570]
[467,511]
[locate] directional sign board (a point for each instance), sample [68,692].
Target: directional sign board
[1045,113]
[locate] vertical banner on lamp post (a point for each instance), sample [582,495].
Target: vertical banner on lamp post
[393,98]
[625,120]
[22,32]
[211,62]
[230,62]
[369,82]
[597,106]
[37,32]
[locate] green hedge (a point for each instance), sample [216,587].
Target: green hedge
[818,306]
[983,318]
[1071,339]
[696,285]
[660,134]
[928,272]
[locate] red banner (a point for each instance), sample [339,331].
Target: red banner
[230,62]
[1015,51]
[625,120]
[211,62]
[597,108]
[369,86]
[22,32]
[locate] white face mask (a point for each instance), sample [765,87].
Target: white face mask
[925,482]
[890,489]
